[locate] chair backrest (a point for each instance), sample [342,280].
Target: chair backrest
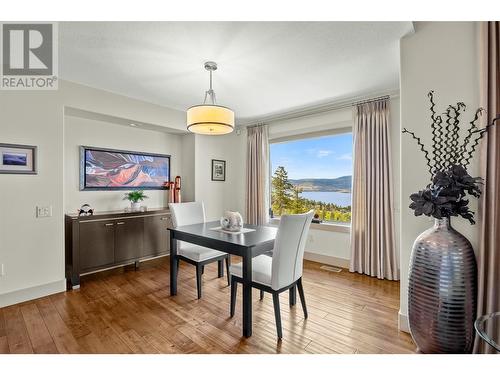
[187,213]
[288,253]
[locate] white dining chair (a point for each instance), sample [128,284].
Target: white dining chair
[282,271]
[194,213]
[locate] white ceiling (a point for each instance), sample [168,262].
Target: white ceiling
[264,67]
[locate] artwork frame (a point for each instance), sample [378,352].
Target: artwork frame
[86,183]
[218,170]
[18,159]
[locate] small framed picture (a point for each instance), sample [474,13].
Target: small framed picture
[218,170]
[17,159]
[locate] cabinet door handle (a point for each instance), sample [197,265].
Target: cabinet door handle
[163,218]
[120,223]
[108,224]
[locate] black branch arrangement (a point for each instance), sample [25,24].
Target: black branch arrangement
[447,162]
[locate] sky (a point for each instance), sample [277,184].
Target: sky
[324,157]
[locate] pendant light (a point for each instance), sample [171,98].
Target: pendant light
[210,118]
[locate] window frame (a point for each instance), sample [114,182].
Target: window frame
[328,226]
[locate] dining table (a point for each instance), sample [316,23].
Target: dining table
[251,241]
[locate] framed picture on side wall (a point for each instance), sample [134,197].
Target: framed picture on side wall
[17,159]
[218,170]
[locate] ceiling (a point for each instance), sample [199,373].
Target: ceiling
[264,67]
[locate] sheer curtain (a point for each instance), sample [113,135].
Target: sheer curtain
[257,189]
[489,250]
[373,250]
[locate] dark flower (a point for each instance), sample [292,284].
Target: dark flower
[445,196]
[441,179]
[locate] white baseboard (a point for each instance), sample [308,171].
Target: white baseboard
[23,295]
[326,259]
[403,322]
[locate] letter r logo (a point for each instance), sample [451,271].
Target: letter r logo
[27,49]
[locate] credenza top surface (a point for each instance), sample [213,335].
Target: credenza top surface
[118,214]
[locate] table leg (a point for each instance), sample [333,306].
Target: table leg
[247,295]
[220,268]
[293,296]
[173,265]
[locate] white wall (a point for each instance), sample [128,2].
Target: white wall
[31,249]
[81,131]
[395,117]
[323,245]
[338,119]
[187,167]
[221,195]
[329,247]
[440,56]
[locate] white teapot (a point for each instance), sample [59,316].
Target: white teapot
[231,221]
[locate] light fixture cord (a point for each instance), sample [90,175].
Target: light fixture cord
[210,92]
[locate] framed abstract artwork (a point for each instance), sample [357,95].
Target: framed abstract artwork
[218,170]
[18,159]
[109,169]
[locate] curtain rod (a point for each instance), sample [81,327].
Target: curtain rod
[312,111]
[371,100]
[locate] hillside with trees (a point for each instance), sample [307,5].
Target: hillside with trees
[340,184]
[286,199]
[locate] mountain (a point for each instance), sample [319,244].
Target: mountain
[342,184]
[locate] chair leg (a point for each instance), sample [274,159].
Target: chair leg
[302,298]
[199,272]
[220,268]
[228,263]
[234,289]
[261,295]
[293,296]
[277,314]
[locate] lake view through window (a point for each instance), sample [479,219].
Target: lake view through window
[313,173]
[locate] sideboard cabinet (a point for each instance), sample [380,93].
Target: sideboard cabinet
[110,239]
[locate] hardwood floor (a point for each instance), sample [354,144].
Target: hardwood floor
[128,311]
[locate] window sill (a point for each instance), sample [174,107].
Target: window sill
[329,227]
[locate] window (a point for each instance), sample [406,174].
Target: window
[313,173]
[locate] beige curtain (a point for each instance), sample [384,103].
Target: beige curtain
[257,191]
[373,250]
[489,250]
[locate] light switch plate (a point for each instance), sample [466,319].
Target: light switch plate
[43,211]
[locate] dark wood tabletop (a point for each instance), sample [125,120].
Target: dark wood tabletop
[260,237]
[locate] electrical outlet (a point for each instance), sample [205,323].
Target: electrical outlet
[43,211]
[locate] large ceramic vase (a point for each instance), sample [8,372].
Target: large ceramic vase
[442,291]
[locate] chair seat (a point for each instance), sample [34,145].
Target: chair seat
[197,253]
[261,269]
